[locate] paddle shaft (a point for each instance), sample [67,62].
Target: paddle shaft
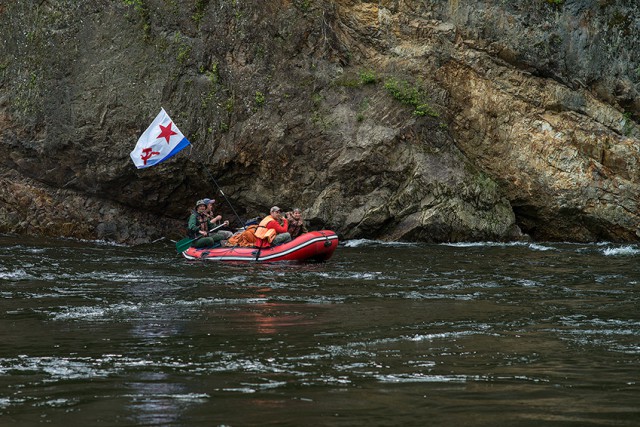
[185,243]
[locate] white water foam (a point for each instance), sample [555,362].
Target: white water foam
[629,250]
[18,274]
[425,378]
[355,243]
[532,246]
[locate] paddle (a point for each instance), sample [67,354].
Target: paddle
[185,243]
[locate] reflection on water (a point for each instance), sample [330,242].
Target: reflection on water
[382,334]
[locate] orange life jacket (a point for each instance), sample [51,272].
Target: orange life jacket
[264,234]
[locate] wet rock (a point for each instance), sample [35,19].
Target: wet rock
[427,121]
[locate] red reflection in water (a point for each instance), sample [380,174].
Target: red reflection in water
[272,317]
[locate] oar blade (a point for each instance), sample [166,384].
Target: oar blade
[183,244]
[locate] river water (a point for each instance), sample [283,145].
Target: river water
[382,334]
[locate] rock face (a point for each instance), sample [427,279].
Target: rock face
[399,120]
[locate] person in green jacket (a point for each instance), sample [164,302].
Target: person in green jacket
[199,225]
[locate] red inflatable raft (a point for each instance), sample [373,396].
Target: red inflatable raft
[313,246]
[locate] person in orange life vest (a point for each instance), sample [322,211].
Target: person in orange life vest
[296,223]
[272,230]
[199,225]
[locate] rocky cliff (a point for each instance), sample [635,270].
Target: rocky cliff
[410,120]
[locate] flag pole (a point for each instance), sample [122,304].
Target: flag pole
[223,195]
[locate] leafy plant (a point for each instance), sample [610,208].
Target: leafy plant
[229,105]
[367,77]
[260,98]
[201,5]
[143,11]
[138,5]
[184,50]
[410,95]
[303,5]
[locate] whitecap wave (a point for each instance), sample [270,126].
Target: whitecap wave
[533,246]
[355,243]
[427,378]
[14,275]
[628,250]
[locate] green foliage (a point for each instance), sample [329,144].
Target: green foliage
[183,53]
[197,16]
[410,95]
[143,11]
[367,77]
[184,50]
[364,77]
[214,74]
[303,5]
[555,2]
[229,105]
[138,5]
[321,121]
[260,98]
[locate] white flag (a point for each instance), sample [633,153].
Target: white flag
[161,141]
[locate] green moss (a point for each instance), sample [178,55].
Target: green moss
[229,105]
[303,5]
[141,8]
[214,74]
[183,49]
[200,8]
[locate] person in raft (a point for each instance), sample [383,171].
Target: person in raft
[200,224]
[296,223]
[209,210]
[272,230]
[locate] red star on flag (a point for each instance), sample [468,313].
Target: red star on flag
[166,132]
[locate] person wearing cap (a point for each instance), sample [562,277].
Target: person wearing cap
[272,230]
[199,226]
[209,210]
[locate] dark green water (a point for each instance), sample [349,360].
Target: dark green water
[402,335]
